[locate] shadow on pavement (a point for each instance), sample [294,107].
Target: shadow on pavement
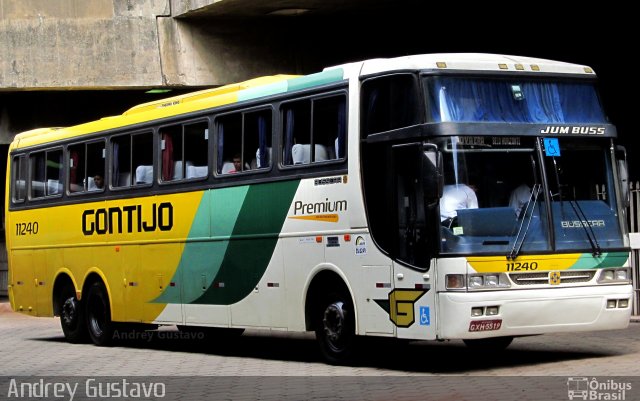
[417,356]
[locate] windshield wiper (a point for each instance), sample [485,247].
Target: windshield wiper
[533,198]
[588,230]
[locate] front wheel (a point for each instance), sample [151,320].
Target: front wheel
[98,314]
[335,327]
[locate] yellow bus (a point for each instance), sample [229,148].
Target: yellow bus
[445,196]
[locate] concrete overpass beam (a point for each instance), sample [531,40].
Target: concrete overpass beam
[202,53]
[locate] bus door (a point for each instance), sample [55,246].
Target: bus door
[413,302]
[417,189]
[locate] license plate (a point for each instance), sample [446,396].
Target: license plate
[485,325]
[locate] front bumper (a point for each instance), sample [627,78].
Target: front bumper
[527,312]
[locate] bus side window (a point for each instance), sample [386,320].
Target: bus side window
[170,149]
[229,143]
[314,130]
[196,150]
[184,149]
[121,161]
[243,141]
[96,159]
[297,132]
[37,170]
[329,126]
[141,155]
[76,168]
[19,178]
[46,173]
[389,103]
[256,149]
[86,166]
[132,161]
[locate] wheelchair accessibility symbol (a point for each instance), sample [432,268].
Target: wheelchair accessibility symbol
[551,147]
[425,316]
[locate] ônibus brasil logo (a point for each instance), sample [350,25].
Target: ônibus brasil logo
[593,389]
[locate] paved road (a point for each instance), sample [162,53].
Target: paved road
[263,365]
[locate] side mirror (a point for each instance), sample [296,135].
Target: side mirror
[623,174]
[432,176]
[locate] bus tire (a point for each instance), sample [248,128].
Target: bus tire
[98,314]
[72,316]
[489,344]
[335,327]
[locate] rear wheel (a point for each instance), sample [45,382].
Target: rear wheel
[72,316]
[335,327]
[98,314]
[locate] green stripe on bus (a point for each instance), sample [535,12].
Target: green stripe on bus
[225,208]
[207,244]
[231,240]
[607,259]
[320,78]
[261,91]
[253,241]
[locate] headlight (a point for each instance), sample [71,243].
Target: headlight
[491,280]
[488,281]
[606,275]
[614,276]
[621,275]
[476,281]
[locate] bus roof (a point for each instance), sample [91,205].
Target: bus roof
[158,109]
[473,62]
[177,105]
[207,93]
[270,85]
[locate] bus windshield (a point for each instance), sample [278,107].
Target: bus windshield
[500,198]
[462,99]
[583,197]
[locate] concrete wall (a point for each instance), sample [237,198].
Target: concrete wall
[89,44]
[79,43]
[86,45]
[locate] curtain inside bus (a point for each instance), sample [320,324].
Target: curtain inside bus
[262,142]
[167,157]
[473,99]
[288,137]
